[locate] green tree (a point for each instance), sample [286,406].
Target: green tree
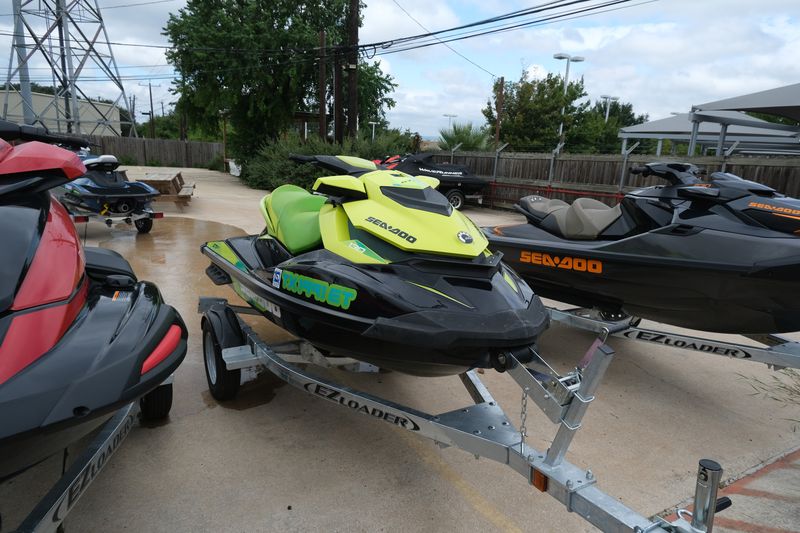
[592,134]
[256,61]
[469,136]
[532,111]
[374,88]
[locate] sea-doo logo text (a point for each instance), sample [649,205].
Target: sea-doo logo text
[357,405]
[678,342]
[774,208]
[397,231]
[577,264]
[321,291]
[464,237]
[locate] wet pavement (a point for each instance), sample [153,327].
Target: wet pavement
[277,459]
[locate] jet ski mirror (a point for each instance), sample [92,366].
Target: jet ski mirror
[343,187]
[698,193]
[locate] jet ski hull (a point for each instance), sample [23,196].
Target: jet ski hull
[388,315]
[95,368]
[700,279]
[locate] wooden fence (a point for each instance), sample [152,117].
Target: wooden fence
[158,152]
[520,174]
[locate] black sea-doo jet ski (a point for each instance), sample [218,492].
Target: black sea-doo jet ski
[79,335]
[719,255]
[456,182]
[378,266]
[106,191]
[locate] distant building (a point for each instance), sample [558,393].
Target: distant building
[95,118]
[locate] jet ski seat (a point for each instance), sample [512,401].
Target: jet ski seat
[586,218]
[292,217]
[541,207]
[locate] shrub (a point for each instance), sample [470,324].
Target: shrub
[216,163]
[270,166]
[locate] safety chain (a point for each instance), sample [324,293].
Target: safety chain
[523,416]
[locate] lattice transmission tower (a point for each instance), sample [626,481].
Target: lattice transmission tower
[67,40]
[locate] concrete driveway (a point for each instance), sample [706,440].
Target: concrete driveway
[277,459]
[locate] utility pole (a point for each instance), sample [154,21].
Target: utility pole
[162,109]
[338,112]
[152,114]
[352,69]
[499,102]
[323,101]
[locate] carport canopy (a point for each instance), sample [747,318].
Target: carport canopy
[741,131]
[781,102]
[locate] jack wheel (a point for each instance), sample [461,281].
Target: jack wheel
[222,383]
[157,403]
[456,199]
[143,225]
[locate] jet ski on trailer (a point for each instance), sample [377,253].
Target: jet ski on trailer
[80,336]
[457,182]
[721,255]
[105,192]
[378,266]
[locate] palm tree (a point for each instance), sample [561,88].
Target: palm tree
[471,137]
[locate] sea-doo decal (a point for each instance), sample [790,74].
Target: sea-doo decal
[464,237]
[577,264]
[687,344]
[262,304]
[276,278]
[397,231]
[358,405]
[774,208]
[322,291]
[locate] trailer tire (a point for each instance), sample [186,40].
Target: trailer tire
[143,225]
[222,383]
[156,404]
[456,198]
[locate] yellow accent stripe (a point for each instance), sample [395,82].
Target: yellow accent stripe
[440,293]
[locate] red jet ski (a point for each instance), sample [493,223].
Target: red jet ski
[80,336]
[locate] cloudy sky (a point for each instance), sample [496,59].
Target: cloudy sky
[662,56]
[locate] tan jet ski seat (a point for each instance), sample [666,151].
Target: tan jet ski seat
[587,217]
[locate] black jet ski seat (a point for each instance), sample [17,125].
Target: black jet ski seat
[292,217]
[585,219]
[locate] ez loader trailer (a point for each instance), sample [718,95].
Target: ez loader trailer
[779,352]
[482,428]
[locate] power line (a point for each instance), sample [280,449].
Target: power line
[390,47]
[138,4]
[447,45]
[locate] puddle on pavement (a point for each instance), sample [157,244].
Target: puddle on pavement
[170,257]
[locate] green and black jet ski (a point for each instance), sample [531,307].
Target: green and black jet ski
[378,266]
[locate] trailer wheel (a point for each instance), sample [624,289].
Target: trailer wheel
[143,225]
[157,403]
[223,383]
[456,198]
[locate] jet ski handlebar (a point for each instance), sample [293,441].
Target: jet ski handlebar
[675,173]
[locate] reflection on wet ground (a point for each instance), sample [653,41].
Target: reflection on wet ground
[170,255]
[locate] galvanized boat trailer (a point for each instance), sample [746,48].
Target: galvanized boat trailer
[778,353]
[481,428]
[49,513]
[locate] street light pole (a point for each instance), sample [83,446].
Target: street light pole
[608,99]
[570,59]
[449,119]
[372,123]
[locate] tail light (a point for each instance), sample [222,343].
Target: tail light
[164,348]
